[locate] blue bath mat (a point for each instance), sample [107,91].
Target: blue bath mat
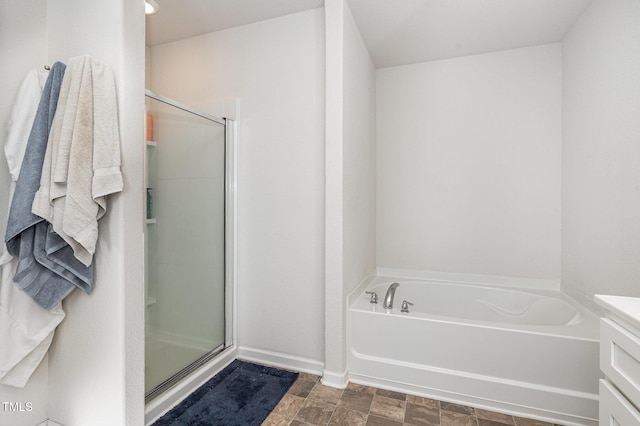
[241,394]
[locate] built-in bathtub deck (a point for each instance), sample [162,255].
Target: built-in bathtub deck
[311,403]
[476,344]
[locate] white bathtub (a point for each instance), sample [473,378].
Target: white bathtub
[532,353]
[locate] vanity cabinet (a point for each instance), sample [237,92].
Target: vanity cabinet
[620,361]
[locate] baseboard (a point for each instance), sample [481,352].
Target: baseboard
[335,380]
[281,360]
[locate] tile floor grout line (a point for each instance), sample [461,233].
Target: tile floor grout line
[345,408]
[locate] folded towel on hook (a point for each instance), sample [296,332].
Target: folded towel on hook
[84,157]
[53,250]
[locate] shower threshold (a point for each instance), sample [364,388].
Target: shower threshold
[179,376]
[162,402]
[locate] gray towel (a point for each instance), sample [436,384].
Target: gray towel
[58,256]
[25,230]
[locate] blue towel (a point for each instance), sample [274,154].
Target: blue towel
[26,236]
[57,255]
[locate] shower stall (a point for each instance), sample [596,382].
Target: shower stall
[188,242]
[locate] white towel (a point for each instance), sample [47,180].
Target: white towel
[107,178]
[21,119]
[26,330]
[85,156]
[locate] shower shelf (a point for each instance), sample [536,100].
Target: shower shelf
[151,221]
[150,301]
[152,143]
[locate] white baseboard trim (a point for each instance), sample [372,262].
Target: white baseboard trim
[157,407]
[335,380]
[280,360]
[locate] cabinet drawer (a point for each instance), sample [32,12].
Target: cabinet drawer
[615,410]
[620,359]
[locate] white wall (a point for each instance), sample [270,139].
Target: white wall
[275,69]
[350,177]
[95,371]
[601,151]
[23,46]
[469,153]
[359,161]
[96,363]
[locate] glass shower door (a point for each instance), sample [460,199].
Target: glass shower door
[184,241]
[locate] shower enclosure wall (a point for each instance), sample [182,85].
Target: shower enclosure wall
[187,236]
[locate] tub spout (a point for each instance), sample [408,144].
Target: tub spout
[388,298]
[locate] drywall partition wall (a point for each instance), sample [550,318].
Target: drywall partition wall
[359,158]
[23,46]
[334,373]
[275,69]
[350,177]
[469,153]
[96,364]
[601,151]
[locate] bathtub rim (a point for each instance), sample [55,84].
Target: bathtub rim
[501,281]
[587,329]
[493,281]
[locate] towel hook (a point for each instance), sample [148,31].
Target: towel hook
[47,67]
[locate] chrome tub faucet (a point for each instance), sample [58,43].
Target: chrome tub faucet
[388,298]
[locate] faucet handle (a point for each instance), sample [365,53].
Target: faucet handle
[405,306]
[374,296]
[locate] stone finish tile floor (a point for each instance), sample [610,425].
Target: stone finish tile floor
[309,402]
